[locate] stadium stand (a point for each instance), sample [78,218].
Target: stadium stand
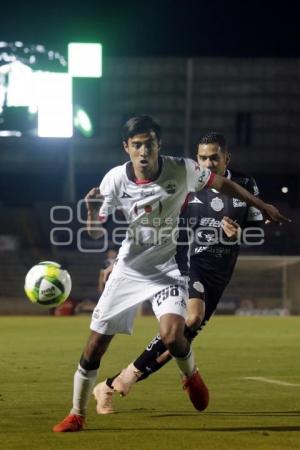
[254,102]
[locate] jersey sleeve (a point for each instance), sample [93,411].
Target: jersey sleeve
[197,177]
[254,214]
[107,189]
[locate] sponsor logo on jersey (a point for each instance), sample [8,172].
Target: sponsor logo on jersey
[217,204]
[170,186]
[200,249]
[238,203]
[125,195]
[254,214]
[217,252]
[210,222]
[147,192]
[208,237]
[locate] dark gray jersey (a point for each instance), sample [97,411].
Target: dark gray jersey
[210,247]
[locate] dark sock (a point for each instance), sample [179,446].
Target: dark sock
[189,333]
[153,367]
[154,349]
[89,365]
[109,381]
[145,362]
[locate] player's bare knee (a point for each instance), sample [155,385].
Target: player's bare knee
[174,340]
[171,329]
[169,338]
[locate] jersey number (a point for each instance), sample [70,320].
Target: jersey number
[162,295]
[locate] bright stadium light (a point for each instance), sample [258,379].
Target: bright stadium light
[24,86]
[85,60]
[82,122]
[54,101]
[20,84]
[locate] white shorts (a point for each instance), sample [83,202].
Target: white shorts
[118,304]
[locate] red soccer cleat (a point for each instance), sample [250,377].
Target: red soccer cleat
[197,390]
[73,422]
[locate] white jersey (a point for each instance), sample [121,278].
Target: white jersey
[151,211]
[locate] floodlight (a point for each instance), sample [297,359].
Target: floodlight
[85,60]
[54,101]
[20,84]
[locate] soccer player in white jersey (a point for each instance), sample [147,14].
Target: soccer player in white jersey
[213,255]
[151,190]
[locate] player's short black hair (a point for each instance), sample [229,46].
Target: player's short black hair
[214,137]
[138,125]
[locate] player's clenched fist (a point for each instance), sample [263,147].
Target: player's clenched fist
[230,227]
[107,272]
[93,199]
[93,202]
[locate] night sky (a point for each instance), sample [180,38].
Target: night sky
[159,28]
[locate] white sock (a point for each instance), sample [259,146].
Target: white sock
[84,381]
[187,364]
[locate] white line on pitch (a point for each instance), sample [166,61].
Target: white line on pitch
[268,380]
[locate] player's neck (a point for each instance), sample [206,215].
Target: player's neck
[222,174]
[146,173]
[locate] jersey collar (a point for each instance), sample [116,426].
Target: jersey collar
[130,173]
[227,175]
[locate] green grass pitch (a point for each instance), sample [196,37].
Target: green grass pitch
[39,356]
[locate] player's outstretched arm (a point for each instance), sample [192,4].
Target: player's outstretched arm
[93,201]
[232,189]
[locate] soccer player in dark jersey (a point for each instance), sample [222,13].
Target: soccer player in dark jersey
[217,223]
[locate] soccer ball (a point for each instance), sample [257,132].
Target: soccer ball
[47,284]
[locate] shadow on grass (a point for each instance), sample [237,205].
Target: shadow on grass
[234,414]
[202,430]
